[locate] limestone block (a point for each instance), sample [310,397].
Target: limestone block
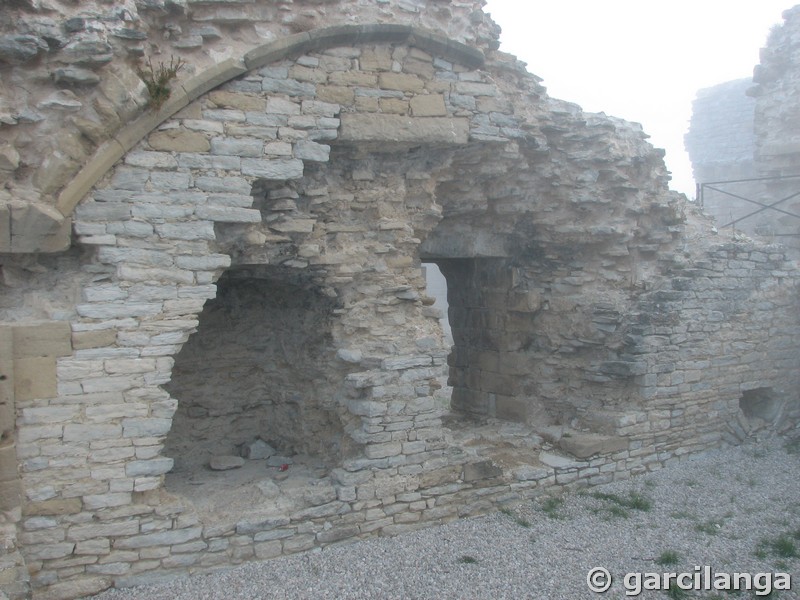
[10,494]
[396,128]
[337,94]
[162,538]
[401,81]
[147,468]
[584,445]
[395,106]
[35,378]
[179,140]
[428,105]
[308,150]
[37,227]
[377,58]
[237,101]
[237,147]
[76,588]
[275,169]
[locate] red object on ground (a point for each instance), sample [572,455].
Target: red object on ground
[283,468]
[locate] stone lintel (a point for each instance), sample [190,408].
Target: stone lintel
[376,127]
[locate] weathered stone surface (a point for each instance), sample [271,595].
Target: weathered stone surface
[179,140]
[584,445]
[396,128]
[75,76]
[257,450]
[225,463]
[19,49]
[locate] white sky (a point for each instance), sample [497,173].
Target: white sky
[642,60]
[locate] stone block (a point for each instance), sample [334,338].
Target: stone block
[237,101]
[147,468]
[229,214]
[37,227]
[8,464]
[396,128]
[54,507]
[308,150]
[336,94]
[179,140]
[35,378]
[45,339]
[10,494]
[584,445]
[82,340]
[274,169]
[402,82]
[428,105]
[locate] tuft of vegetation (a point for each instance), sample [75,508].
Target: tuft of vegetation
[518,520]
[668,557]
[783,546]
[676,593]
[468,560]
[633,501]
[550,507]
[792,446]
[710,527]
[157,79]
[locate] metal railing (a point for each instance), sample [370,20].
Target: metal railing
[713,186]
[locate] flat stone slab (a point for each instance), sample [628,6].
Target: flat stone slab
[225,463]
[398,128]
[584,445]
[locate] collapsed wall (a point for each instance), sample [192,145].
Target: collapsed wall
[246,279]
[743,144]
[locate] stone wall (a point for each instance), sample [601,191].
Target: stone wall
[744,130]
[252,263]
[777,115]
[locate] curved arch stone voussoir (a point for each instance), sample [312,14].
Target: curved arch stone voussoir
[196,86]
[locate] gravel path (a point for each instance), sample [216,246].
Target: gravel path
[736,510]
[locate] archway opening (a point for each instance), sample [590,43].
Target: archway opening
[256,393]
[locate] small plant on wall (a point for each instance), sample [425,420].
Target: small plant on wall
[157,79]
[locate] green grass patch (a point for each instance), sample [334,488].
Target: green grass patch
[551,506]
[468,560]
[784,546]
[518,520]
[633,501]
[709,527]
[668,557]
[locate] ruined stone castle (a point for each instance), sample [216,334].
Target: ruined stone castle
[235,278]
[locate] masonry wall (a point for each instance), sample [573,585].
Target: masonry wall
[587,299]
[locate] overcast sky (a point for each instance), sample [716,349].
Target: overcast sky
[642,60]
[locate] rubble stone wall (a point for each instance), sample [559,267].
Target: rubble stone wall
[601,329]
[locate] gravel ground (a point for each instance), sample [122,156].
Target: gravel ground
[736,510]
